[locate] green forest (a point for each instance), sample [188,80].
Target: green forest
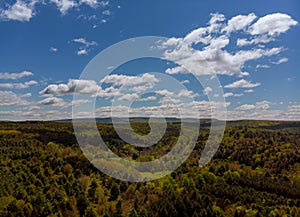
[255,172]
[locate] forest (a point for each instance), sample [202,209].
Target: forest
[255,172]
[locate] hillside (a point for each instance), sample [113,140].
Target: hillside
[255,172]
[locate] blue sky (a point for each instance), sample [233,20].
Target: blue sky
[45,45]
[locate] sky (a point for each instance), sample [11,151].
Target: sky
[241,56]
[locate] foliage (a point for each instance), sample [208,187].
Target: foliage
[255,172]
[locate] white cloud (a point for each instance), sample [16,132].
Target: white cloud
[80,86]
[261,39]
[53,49]
[143,87]
[7,86]
[149,98]
[229,94]
[126,80]
[33,108]
[64,5]
[82,52]
[272,24]
[14,76]
[238,94]
[165,93]
[185,82]
[106,12]
[18,85]
[206,107]
[35,113]
[246,107]
[242,84]
[20,11]
[215,22]
[263,105]
[248,91]
[91,3]
[94,3]
[128,97]
[187,94]
[257,115]
[84,42]
[262,66]
[207,90]
[239,22]
[293,112]
[110,67]
[108,92]
[168,101]
[282,60]
[53,101]
[9,98]
[213,60]
[104,3]
[176,70]
[24,10]
[212,57]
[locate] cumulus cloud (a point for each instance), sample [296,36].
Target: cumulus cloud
[128,97]
[185,82]
[91,3]
[149,98]
[126,80]
[206,107]
[18,85]
[242,84]
[143,87]
[104,3]
[246,107]
[106,12]
[84,42]
[187,94]
[249,91]
[272,24]
[59,102]
[108,92]
[73,85]
[82,52]
[207,90]
[53,49]
[293,112]
[262,39]
[263,105]
[282,60]
[64,5]
[24,10]
[53,101]
[239,22]
[164,92]
[229,94]
[14,76]
[169,108]
[19,11]
[9,98]
[262,66]
[212,57]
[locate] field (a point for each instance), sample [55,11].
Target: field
[255,172]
